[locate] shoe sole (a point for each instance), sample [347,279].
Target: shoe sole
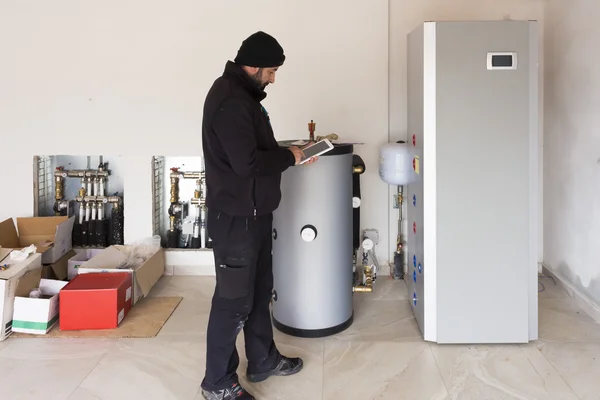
[255,378]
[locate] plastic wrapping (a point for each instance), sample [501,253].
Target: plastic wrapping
[139,252]
[21,255]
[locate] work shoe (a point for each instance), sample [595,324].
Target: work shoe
[287,366]
[235,392]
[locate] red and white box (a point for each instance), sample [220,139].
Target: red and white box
[95,301]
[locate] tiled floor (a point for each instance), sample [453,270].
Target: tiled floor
[380,357]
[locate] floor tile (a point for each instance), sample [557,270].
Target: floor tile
[550,288]
[381,355]
[578,364]
[382,320]
[498,373]
[387,288]
[189,318]
[148,369]
[382,370]
[199,288]
[562,320]
[48,368]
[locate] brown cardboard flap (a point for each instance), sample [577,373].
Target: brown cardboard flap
[61,267]
[42,242]
[34,261]
[39,225]
[28,282]
[3,254]
[150,272]
[8,234]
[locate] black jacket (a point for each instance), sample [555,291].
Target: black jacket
[242,159]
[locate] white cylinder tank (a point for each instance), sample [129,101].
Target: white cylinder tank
[395,164]
[312,247]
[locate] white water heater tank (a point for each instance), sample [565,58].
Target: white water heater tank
[395,164]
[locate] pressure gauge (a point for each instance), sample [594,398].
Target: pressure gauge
[367,244]
[356,202]
[308,233]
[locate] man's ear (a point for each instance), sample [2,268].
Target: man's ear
[250,70]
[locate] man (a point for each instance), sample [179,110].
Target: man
[243,163]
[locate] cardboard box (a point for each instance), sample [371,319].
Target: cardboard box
[58,270]
[79,259]
[36,315]
[95,301]
[9,280]
[51,235]
[113,258]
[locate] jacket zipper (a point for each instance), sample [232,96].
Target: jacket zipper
[254,196]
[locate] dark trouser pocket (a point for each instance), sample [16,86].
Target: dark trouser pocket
[233,277]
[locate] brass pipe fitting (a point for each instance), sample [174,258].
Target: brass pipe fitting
[331,137]
[358,169]
[368,286]
[174,190]
[59,188]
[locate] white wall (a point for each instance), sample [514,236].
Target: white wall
[405,15]
[130,77]
[572,144]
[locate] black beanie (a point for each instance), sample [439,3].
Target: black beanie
[260,50]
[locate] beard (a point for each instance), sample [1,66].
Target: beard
[257,78]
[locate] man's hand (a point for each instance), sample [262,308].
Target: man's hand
[312,159]
[299,156]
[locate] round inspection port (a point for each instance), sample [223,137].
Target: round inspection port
[308,233]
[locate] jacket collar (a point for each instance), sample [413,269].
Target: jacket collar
[235,72]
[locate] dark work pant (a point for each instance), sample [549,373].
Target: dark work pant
[244,272]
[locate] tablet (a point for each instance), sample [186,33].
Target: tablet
[316,149]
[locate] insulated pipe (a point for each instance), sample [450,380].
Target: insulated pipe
[81,212]
[203,226]
[88,181]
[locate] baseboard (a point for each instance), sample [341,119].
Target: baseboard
[194,270]
[582,300]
